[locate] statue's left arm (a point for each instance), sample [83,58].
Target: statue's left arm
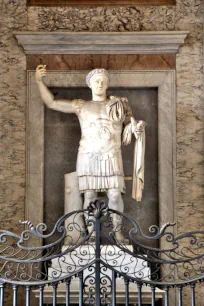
[138,129]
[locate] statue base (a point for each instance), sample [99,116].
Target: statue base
[111,255]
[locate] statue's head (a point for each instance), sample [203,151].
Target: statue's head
[98,81]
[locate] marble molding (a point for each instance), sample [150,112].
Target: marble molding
[96,3]
[164,80]
[163,42]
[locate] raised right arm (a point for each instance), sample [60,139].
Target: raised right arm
[65,106]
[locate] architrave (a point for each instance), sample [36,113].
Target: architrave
[151,42]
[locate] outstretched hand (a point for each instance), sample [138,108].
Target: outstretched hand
[40,72]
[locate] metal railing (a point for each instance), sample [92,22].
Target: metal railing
[85,246]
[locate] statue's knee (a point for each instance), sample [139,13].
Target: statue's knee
[90,195]
[115,196]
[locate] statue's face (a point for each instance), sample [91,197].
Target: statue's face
[99,84]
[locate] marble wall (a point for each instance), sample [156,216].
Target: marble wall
[13,106]
[186,15]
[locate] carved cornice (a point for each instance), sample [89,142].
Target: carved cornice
[165,42]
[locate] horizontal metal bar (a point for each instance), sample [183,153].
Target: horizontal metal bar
[180,299]
[68,282]
[113,288]
[139,288]
[126,281]
[166,296]
[14,295]
[193,295]
[41,295]
[54,301]
[1,294]
[153,295]
[27,295]
[81,288]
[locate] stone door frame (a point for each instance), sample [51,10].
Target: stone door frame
[164,80]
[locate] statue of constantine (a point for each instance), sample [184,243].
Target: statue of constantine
[106,123]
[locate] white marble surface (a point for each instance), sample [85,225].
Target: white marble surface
[122,262]
[109,254]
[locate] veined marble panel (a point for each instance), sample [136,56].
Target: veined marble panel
[115,62]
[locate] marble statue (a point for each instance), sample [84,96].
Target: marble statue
[106,123]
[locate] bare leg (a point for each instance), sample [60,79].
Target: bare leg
[116,203]
[89,195]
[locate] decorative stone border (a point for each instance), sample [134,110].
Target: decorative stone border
[161,42]
[164,80]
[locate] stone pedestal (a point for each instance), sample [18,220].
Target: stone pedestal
[73,201]
[112,255]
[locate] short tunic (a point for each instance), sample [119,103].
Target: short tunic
[100,172]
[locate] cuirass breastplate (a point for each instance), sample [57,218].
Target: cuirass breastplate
[99,133]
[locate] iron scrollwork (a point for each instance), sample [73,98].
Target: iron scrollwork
[177,263]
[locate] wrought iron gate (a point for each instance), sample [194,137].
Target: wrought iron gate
[84,245]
